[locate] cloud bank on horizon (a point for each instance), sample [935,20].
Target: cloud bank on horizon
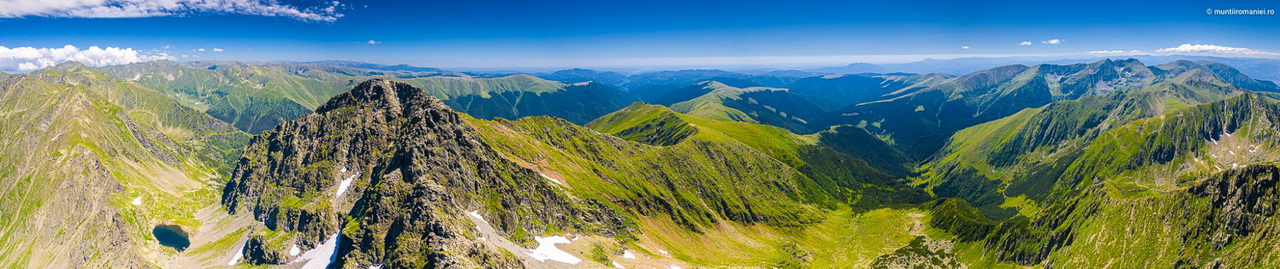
[1215,49]
[25,59]
[327,12]
[1195,50]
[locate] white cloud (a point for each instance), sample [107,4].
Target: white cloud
[29,58]
[964,47]
[166,47]
[1054,41]
[371,42]
[217,50]
[1025,43]
[1214,49]
[155,8]
[199,49]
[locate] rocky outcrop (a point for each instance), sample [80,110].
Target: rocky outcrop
[393,171]
[922,252]
[1240,202]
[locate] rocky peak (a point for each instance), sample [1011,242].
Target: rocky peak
[387,170]
[69,66]
[1103,62]
[382,94]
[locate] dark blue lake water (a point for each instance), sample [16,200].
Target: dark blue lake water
[171,236]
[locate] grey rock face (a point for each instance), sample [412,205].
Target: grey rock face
[414,168]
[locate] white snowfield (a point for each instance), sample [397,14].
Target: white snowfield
[547,250]
[136,201]
[346,183]
[476,213]
[321,256]
[557,181]
[626,254]
[239,255]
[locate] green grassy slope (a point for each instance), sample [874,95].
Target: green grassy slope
[253,98]
[1006,165]
[920,122]
[689,196]
[845,176]
[649,124]
[1193,186]
[79,148]
[771,106]
[578,103]
[682,180]
[837,91]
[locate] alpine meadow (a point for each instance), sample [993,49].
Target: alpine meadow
[656,134]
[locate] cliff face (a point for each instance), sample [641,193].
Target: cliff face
[393,172]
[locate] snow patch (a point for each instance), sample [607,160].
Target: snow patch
[137,201]
[239,255]
[557,181]
[293,251]
[476,213]
[616,265]
[663,252]
[375,267]
[673,266]
[626,254]
[321,256]
[547,250]
[346,183]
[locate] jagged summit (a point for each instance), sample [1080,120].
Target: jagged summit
[382,93]
[384,167]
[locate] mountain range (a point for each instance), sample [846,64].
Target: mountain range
[1261,68]
[350,165]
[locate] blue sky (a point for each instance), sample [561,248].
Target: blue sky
[610,33]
